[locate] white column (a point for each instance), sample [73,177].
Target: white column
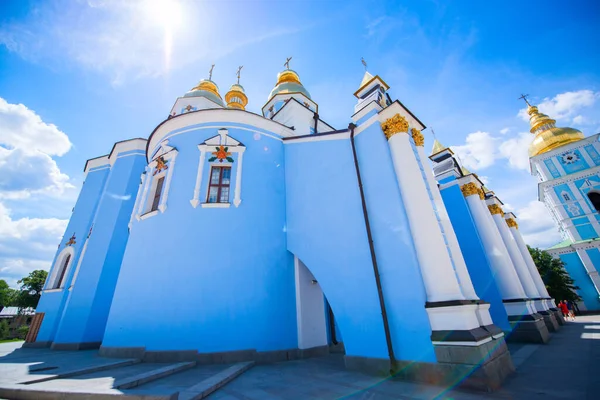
[589,268]
[535,274]
[462,272]
[517,259]
[439,277]
[196,198]
[508,281]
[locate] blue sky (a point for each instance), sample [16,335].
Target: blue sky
[77,76]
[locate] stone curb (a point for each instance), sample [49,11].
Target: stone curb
[22,392]
[215,382]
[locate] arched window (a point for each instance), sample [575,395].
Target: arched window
[594,196]
[62,265]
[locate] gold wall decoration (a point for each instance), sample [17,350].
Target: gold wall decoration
[417,137]
[394,125]
[512,223]
[495,209]
[469,189]
[481,193]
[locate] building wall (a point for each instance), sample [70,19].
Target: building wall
[194,278]
[86,310]
[52,301]
[576,270]
[323,202]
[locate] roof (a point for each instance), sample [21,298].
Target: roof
[8,312]
[569,242]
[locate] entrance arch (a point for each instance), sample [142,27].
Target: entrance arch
[594,196]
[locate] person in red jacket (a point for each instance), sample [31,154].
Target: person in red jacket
[563,307]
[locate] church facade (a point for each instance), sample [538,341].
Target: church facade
[567,165]
[228,235]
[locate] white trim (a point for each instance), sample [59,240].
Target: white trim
[165,195]
[52,290]
[586,156]
[196,198]
[213,115]
[216,205]
[586,208]
[365,125]
[149,214]
[57,267]
[96,162]
[144,198]
[128,145]
[238,180]
[321,138]
[137,200]
[373,105]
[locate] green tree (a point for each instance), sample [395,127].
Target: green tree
[3,329]
[7,294]
[31,289]
[556,278]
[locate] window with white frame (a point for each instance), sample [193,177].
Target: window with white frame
[218,186]
[156,183]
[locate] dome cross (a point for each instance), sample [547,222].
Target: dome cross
[524,97]
[238,73]
[210,72]
[287,63]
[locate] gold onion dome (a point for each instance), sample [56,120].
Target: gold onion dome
[236,97]
[206,88]
[288,81]
[547,135]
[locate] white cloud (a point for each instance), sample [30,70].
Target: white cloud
[22,128]
[26,244]
[504,131]
[484,179]
[564,105]
[515,150]
[479,150]
[26,146]
[131,39]
[537,226]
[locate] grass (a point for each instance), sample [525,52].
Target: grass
[11,340]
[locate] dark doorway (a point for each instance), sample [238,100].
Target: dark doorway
[594,197]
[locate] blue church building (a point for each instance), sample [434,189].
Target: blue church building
[230,235]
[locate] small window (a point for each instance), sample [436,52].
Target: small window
[61,273]
[566,197]
[218,188]
[157,192]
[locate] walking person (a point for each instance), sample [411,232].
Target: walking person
[571,310]
[564,309]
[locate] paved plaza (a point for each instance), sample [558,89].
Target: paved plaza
[566,368]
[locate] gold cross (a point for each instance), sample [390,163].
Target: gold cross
[238,73]
[210,72]
[524,97]
[362,60]
[287,63]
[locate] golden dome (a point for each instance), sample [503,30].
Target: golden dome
[547,135]
[236,97]
[206,88]
[288,81]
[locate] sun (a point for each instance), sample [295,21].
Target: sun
[165,13]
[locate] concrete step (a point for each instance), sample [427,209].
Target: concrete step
[215,382]
[145,377]
[62,373]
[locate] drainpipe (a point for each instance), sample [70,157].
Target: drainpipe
[332,324]
[386,326]
[316,118]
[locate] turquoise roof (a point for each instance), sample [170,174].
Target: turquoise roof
[568,242]
[205,93]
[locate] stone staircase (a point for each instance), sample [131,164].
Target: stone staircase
[101,378]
